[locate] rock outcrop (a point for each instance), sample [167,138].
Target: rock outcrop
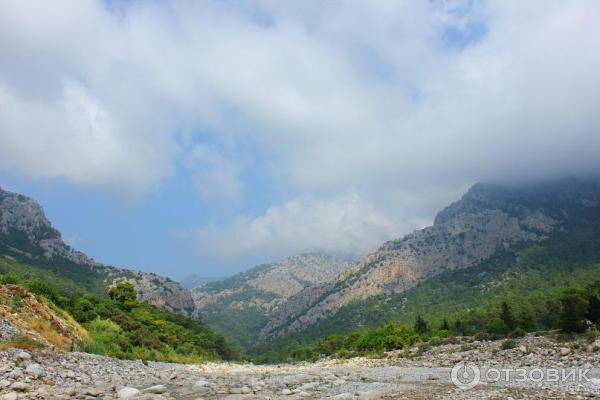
[262,290]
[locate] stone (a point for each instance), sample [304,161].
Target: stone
[371,395]
[523,349]
[34,370]
[565,351]
[157,389]
[200,383]
[127,393]
[20,387]
[23,356]
[286,392]
[9,396]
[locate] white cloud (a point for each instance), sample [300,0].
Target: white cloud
[345,97]
[346,225]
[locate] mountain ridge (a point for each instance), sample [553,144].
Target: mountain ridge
[242,303]
[27,235]
[488,218]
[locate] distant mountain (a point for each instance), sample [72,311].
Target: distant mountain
[241,305]
[492,227]
[195,280]
[26,235]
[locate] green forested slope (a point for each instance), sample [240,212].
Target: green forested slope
[530,278]
[133,330]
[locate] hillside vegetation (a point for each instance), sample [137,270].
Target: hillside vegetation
[540,284]
[116,325]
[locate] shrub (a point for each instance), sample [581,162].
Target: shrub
[84,310]
[9,279]
[517,333]
[574,306]
[16,303]
[344,353]
[435,341]
[451,340]
[124,294]
[509,344]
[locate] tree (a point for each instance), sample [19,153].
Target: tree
[445,325]
[507,317]
[458,327]
[421,326]
[574,306]
[125,294]
[593,309]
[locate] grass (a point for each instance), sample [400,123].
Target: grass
[21,342]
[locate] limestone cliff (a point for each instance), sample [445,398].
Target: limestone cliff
[240,305]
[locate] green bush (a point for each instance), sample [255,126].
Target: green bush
[517,333]
[509,344]
[574,306]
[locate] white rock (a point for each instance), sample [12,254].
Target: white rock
[286,392]
[200,383]
[127,393]
[157,389]
[20,387]
[9,396]
[35,370]
[23,356]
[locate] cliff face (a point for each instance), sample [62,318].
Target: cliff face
[487,219]
[26,234]
[241,305]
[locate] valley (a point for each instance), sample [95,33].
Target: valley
[506,277]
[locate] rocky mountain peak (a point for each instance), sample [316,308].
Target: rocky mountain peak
[18,212]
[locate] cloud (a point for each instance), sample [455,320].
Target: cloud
[388,101]
[346,225]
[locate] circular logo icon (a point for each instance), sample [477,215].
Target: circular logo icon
[466,376]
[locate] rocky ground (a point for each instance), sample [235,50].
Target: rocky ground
[413,374]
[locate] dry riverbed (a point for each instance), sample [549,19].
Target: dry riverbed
[46,374]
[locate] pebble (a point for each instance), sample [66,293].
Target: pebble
[63,376]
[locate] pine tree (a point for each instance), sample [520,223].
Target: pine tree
[445,325]
[421,326]
[574,307]
[507,317]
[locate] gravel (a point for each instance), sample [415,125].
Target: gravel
[410,374]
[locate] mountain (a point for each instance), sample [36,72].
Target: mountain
[493,227]
[195,280]
[241,305]
[27,235]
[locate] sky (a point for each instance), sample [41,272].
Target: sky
[206,137]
